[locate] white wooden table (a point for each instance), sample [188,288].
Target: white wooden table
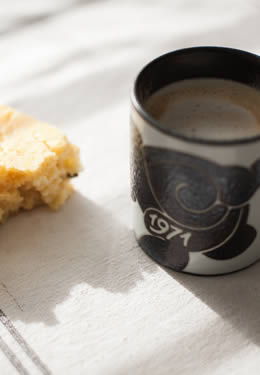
[77,295]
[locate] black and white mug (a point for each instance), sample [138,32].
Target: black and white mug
[219,232]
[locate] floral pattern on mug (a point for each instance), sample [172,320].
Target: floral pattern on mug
[191,204]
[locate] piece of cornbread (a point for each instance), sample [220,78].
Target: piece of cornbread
[36,161]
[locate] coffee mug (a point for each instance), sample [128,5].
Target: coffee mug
[211,227]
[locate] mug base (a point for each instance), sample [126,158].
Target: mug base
[200,265]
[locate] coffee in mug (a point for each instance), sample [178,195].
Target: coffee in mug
[207,108]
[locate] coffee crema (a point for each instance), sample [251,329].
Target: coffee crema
[207,108]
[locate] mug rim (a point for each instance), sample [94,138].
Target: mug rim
[189,138]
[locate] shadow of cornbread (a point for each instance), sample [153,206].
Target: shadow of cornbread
[44,255]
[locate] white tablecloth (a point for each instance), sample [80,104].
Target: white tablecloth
[77,295]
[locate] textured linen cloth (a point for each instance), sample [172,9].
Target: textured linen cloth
[77,295]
